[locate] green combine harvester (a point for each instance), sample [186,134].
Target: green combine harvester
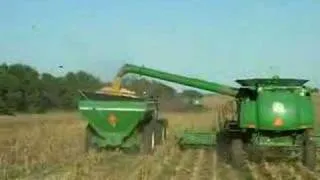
[268,113]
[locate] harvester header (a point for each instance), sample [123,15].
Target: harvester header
[183,80]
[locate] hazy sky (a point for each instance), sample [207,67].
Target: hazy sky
[215,40]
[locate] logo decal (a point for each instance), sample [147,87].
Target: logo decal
[278,107]
[112,120]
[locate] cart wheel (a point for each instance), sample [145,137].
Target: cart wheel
[160,131]
[148,141]
[309,154]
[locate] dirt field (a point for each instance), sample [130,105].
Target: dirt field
[51,147]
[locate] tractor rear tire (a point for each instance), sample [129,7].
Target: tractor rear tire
[148,138]
[89,144]
[309,153]
[237,153]
[160,131]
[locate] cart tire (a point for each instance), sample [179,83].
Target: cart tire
[148,138]
[160,131]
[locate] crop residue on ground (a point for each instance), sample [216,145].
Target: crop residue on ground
[52,147]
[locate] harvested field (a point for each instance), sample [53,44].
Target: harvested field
[51,147]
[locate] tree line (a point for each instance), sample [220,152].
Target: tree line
[26,90]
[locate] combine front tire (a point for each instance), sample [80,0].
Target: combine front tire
[237,153]
[223,147]
[309,152]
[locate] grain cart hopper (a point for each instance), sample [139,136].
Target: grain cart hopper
[272,112]
[121,121]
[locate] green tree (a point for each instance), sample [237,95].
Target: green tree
[24,89]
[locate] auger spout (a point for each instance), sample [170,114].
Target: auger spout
[183,80]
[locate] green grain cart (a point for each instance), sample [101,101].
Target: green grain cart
[120,122]
[269,113]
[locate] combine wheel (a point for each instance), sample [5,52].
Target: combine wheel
[238,155]
[222,146]
[148,140]
[89,144]
[160,131]
[309,152]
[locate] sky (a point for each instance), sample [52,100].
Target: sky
[214,40]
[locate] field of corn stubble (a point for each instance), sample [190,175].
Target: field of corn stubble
[52,147]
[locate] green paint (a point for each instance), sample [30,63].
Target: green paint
[295,110]
[198,138]
[132,141]
[260,102]
[187,81]
[129,114]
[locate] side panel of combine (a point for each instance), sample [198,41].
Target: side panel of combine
[248,114]
[278,110]
[306,112]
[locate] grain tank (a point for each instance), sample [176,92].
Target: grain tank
[269,112]
[116,120]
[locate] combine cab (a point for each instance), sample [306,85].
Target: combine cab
[118,121]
